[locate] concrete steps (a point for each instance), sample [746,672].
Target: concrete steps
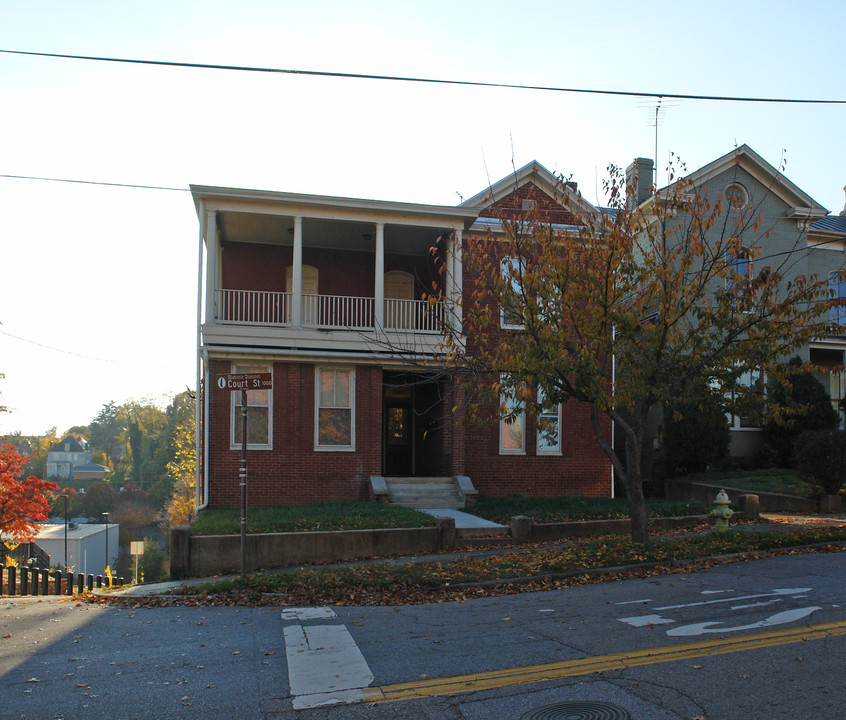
[424,492]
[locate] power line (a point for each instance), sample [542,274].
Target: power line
[86,357]
[434,81]
[95,182]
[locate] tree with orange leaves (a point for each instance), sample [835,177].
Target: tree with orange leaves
[22,500]
[627,309]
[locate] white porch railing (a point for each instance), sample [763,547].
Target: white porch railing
[326,312]
[253,307]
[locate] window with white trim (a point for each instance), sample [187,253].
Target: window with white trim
[259,413]
[334,419]
[753,379]
[837,291]
[512,426]
[511,311]
[549,426]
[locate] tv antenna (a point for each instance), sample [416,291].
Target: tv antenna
[657,112]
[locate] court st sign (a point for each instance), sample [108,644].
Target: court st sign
[245,381]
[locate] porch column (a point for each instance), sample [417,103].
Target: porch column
[297,275]
[454,299]
[212,256]
[379,289]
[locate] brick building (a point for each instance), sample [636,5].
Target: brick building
[325,295]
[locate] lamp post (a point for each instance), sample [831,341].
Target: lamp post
[106,520]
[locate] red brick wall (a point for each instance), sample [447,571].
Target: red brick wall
[581,469]
[293,472]
[547,210]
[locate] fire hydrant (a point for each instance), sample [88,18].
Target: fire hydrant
[722,512]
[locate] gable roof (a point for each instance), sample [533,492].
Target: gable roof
[73,443]
[802,205]
[560,192]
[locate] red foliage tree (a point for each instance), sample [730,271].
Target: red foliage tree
[22,501]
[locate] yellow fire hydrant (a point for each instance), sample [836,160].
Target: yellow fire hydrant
[722,512]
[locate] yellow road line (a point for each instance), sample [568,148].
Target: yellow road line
[615,661]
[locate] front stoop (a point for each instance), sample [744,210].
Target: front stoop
[423,492]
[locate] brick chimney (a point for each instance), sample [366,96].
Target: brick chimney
[639,182]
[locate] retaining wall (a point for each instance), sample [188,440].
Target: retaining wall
[768,502]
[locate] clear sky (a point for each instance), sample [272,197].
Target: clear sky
[98,285]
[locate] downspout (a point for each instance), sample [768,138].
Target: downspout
[201,389]
[205,435]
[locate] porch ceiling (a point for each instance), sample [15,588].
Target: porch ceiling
[322,233]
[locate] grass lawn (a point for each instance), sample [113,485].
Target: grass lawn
[565,509]
[364,515]
[302,518]
[775,480]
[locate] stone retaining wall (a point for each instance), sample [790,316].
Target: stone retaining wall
[209,555]
[769,502]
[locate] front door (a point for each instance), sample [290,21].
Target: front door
[399,431]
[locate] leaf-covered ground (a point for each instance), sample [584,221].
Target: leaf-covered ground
[515,570]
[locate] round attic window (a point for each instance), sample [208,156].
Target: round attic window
[736,195]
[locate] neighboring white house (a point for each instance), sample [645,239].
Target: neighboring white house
[65,455]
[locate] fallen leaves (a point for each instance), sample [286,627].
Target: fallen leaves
[514,570]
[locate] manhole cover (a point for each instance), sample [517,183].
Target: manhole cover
[578,711]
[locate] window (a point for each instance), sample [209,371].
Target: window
[334,426]
[837,291]
[737,196]
[259,415]
[399,296]
[549,427]
[511,309]
[512,427]
[748,379]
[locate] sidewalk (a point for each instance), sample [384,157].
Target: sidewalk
[774,522]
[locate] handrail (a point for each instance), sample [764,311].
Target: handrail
[326,312]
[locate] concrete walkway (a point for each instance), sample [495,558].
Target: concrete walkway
[463,520]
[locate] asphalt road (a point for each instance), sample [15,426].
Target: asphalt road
[758,640]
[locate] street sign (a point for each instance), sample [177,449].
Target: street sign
[136,547]
[245,381]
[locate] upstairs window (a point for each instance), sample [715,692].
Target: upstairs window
[837,291]
[511,307]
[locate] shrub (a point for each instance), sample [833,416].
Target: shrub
[805,404]
[695,435]
[820,457]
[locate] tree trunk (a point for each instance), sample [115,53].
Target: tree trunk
[634,490]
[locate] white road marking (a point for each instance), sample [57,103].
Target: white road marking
[308,613]
[642,620]
[757,604]
[710,627]
[777,591]
[635,602]
[325,666]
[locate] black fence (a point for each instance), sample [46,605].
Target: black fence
[35,581]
